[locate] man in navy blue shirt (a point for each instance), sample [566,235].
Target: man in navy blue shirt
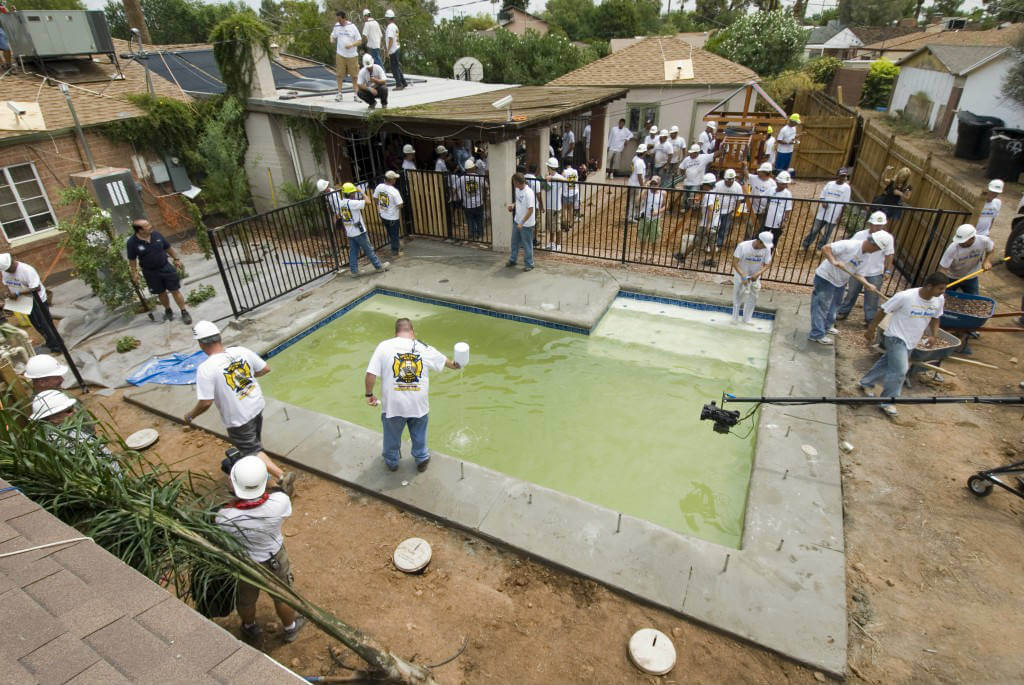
[150,250]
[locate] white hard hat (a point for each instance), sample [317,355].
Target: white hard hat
[44,366]
[322,185]
[695,148]
[766,238]
[765,168]
[367,60]
[995,186]
[642,147]
[389,14]
[205,329]
[729,173]
[663,133]
[249,477]
[408,149]
[50,402]
[708,178]
[878,219]
[440,149]
[783,177]
[366,12]
[654,129]
[5,261]
[711,124]
[674,129]
[883,239]
[392,174]
[470,164]
[553,163]
[964,233]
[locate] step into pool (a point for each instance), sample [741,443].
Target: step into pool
[611,417]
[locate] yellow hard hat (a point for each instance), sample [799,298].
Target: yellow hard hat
[349,188]
[794,117]
[771,130]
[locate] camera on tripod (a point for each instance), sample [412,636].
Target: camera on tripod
[724,418]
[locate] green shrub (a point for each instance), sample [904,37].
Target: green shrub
[879,84]
[767,42]
[823,69]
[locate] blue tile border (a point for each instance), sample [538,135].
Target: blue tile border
[281,347]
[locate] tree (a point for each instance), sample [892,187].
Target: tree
[767,42]
[226,186]
[303,30]
[173,21]
[823,18]
[51,5]
[1013,82]
[879,83]
[616,19]
[822,69]
[575,17]
[1005,10]
[237,42]
[874,12]
[946,8]
[478,22]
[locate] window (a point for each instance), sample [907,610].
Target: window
[641,117]
[24,207]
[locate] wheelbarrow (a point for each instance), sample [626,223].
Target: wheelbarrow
[982,482]
[971,324]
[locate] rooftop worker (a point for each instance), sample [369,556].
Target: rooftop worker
[617,138]
[441,163]
[372,84]
[372,35]
[255,518]
[966,254]
[403,365]
[693,167]
[394,49]
[568,144]
[729,194]
[346,39]
[471,187]
[524,219]
[663,152]
[45,372]
[830,280]
[408,157]
[786,143]
[768,151]
[150,250]
[874,269]
[780,204]
[637,180]
[750,259]
[553,206]
[833,199]
[350,212]
[707,140]
[227,378]
[762,187]
[22,280]
[991,208]
[389,206]
[912,314]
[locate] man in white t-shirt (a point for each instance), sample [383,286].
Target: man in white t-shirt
[348,210]
[728,195]
[842,258]
[786,142]
[617,138]
[586,142]
[373,36]
[394,49]
[570,196]
[568,144]
[346,39]
[22,280]
[706,139]
[553,205]
[966,254]
[662,154]
[692,168]
[833,199]
[403,365]
[255,518]
[762,187]
[779,206]
[650,140]
[408,158]
[372,84]
[678,148]
[750,259]
[768,152]
[227,379]
[472,187]
[873,269]
[389,207]
[637,180]
[524,220]
[708,217]
[990,210]
[913,314]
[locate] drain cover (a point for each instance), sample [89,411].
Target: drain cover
[412,555]
[140,440]
[652,651]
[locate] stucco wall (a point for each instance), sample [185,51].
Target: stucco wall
[982,95]
[937,84]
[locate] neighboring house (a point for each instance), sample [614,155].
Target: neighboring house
[653,98]
[895,49]
[937,80]
[519,22]
[832,40]
[696,39]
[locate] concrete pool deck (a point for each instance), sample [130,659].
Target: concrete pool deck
[784,589]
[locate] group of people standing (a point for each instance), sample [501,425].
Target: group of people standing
[369,81]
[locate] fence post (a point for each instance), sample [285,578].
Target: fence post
[929,247]
[625,224]
[332,236]
[223,273]
[448,199]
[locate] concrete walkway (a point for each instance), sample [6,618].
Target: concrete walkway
[785,589]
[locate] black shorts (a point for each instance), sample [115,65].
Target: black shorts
[248,437]
[161,280]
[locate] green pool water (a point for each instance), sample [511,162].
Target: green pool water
[610,417]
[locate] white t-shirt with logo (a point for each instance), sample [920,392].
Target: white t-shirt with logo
[391,33]
[639,172]
[571,189]
[618,137]
[345,35]
[910,314]
[849,251]
[787,138]
[403,366]
[762,189]
[371,29]
[751,259]
[694,168]
[874,263]
[988,216]
[389,201]
[351,213]
[554,196]
[709,218]
[729,196]
[662,153]
[471,187]
[258,528]
[832,195]
[229,379]
[24,279]
[525,201]
[777,206]
[960,261]
[650,141]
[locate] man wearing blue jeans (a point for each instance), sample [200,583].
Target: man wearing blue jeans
[348,211]
[966,254]
[389,207]
[524,219]
[403,365]
[874,270]
[830,280]
[393,47]
[912,314]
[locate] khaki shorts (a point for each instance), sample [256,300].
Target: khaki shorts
[279,565]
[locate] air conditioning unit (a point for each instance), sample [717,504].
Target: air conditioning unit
[49,34]
[116,191]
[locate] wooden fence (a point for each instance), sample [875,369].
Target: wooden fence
[826,135]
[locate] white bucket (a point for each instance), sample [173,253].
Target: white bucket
[461,354]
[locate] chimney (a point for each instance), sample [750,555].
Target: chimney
[263,76]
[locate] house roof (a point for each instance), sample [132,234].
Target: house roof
[919,39]
[643,64]
[74,613]
[97,94]
[821,34]
[512,11]
[960,60]
[695,38]
[874,34]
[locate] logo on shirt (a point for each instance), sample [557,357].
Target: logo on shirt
[472,186]
[238,376]
[407,369]
[384,200]
[346,214]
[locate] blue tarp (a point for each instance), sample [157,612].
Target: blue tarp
[178,369]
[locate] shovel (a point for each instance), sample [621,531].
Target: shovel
[975,273]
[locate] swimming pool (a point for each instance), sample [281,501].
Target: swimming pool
[610,417]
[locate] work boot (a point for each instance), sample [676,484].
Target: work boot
[287,483]
[293,634]
[383,267]
[251,632]
[186,318]
[168,314]
[422,466]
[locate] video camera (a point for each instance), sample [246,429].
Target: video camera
[724,418]
[233,454]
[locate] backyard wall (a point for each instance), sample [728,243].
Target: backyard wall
[912,80]
[983,95]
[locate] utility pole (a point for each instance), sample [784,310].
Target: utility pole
[133,12]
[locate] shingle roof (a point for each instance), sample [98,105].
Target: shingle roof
[74,613]
[642,64]
[916,41]
[873,34]
[961,59]
[820,34]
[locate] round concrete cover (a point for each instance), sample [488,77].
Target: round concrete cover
[140,440]
[652,651]
[412,555]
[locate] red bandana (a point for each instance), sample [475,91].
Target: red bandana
[250,503]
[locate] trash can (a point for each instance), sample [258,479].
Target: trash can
[1006,158]
[973,133]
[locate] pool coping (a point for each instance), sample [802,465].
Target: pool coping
[784,589]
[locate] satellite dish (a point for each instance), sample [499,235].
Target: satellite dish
[469,69]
